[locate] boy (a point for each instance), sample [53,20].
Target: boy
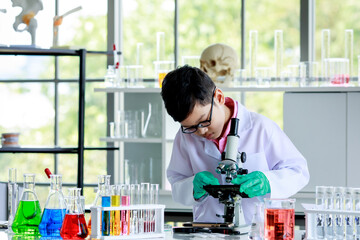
[276,168]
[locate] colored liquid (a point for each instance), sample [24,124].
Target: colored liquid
[89,225]
[161,78]
[125,216]
[74,227]
[51,222]
[27,218]
[105,228]
[115,216]
[279,224]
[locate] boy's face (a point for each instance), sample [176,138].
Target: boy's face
[202,113]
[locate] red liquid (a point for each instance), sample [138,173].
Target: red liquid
[74,227]
[279,224]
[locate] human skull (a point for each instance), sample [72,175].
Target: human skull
[219,61]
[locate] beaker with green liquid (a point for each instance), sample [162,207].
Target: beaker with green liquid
[28,214]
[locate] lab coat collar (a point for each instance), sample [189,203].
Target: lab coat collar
[245,124]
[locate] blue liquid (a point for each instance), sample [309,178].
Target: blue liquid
[105,202]
[51,222]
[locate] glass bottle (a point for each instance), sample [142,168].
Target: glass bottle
[110,76]
[102,181]
[257,224]
[74,225]
[55,209]
[28,214]
[13,197]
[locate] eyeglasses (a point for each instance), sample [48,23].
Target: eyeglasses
[202,124]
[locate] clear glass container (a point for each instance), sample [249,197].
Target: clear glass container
[279,218]
[28,214]
[13,197]
[74,225]
[55,209]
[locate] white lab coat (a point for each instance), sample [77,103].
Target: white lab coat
[268,150]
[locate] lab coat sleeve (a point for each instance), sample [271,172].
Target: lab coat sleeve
[180,173]
[288,171]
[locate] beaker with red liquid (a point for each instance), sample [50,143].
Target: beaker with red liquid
[74,225]
[279,218]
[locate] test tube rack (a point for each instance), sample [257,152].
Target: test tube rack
[311,211]
[159,222]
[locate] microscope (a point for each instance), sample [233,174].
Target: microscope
[231,166]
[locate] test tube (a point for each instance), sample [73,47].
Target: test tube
[349,49]
[325,48]
[13,197]
[279,48]
[253,52]
[115,215]
[145,199]
[154,198]
[125,214]
[329,218]
[349,220]
[356,199]
[320,204]
[105,202]
[135,199]
[339,218]
[160,46]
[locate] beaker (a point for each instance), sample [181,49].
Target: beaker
[28,214]
[13,197]
[134,76]
[309,74]
[279,218]
[54,210]
[161,69]
[263,76]
[110,76]
[240,78]
[74,225]
[336,71]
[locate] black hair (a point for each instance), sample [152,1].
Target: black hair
[182,88]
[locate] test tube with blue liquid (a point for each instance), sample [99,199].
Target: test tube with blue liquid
[349,220]
[106,202]
[356,197]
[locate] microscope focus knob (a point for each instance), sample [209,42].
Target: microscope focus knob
[242,171]
[243,157]
[220,168]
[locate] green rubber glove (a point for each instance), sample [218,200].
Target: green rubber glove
[253,184]
[202,179]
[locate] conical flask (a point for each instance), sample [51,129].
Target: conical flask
[74,225]
[55,209]
[28,214]
[103,183]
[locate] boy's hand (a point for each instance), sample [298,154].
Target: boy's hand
[253,184]
[202,179]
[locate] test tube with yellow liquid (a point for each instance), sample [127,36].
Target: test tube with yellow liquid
[115,229]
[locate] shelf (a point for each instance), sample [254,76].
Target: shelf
[131,140]
[241,89]
[28,50]
[38,150]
